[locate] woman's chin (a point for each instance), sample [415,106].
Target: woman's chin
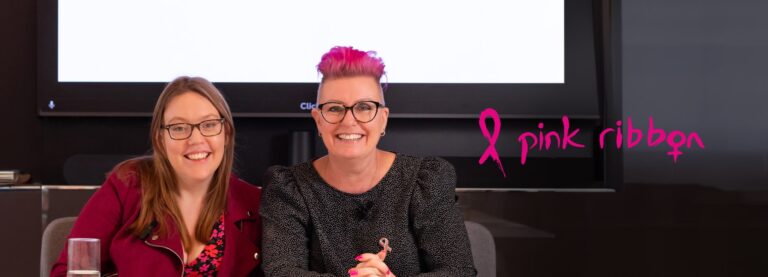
[195,176]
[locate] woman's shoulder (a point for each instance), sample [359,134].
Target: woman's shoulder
[428,172]
[278,171]
[243,194]
[282,193]
[236,181]
[433,163]
[433,186]
[288,183]
[127,174]
[240,186]
[424,166]
[122,187]
[287,175]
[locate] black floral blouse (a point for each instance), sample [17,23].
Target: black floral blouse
[207,264]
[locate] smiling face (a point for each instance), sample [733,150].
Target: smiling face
[195,159]
[349,138]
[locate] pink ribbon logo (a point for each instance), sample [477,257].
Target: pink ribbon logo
[491,150]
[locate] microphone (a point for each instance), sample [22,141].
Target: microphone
[363,210]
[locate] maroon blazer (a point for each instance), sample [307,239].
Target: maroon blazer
[115,206]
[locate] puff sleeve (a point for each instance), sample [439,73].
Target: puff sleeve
[438,223]
[285,220]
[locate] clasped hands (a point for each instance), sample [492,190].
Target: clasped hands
[373,264]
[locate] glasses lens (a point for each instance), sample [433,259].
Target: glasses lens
[333,113]
[180,131]
[210,127]
[365,111]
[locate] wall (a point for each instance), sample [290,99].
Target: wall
[21,133]
[698,66]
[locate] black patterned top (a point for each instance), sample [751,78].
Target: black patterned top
[208,262]
[310,228]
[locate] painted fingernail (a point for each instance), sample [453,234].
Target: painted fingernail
[389,272]
[352,272]
[359,257]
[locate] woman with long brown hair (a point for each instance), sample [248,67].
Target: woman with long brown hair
[179,211]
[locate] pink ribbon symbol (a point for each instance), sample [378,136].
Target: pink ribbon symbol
[491,150]
[384,243]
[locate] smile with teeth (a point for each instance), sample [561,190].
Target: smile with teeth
[349,136]
[197,156]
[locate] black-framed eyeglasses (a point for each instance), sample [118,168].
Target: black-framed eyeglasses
[208,128]
[363,111]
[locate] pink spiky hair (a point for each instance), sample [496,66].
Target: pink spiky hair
[345,61]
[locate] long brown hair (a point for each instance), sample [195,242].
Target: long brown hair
[158,181]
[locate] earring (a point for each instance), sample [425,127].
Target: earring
[383,133]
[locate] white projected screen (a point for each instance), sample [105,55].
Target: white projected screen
[481,41]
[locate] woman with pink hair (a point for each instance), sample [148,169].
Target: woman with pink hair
[361,211]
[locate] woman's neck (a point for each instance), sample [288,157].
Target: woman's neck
[352,175]
[191,198]
[191,190]
[190,201]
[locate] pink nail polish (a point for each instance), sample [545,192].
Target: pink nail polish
[359,257]
[352,272]
[389,272]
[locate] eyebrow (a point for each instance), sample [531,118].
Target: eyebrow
[206,117]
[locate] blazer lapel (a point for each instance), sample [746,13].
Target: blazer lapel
[241,255]
[171,242]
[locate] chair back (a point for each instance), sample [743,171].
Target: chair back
[483,249]
[54,238]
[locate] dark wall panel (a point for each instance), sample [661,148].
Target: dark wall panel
[698,66]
